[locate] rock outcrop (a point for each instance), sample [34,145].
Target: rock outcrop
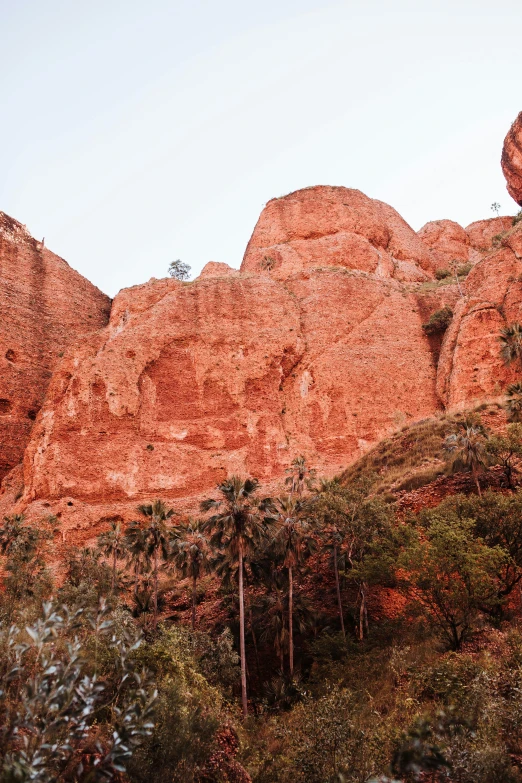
[470,367]
[327,226]
[447,242]
[314,347]
[241,372]
[46,306]
[512,160]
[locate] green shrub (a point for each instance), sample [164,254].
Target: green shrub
[438,321]
[517,218]
[464,270]
[441,274]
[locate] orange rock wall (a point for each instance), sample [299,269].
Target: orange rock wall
[315,347]
[45,307]
[320,354]
[512,160]
[470,368]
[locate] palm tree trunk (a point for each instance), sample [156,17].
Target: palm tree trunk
[114,570]
[242,652]
[136,576]
[338,590]
[155,586]
[194,585]
[251,621]
[478,485]
[291,619]
[361,614]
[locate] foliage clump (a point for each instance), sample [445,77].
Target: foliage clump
[438,321]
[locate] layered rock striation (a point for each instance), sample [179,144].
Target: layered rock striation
[46,306]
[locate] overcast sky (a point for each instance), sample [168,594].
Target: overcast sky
[134,133]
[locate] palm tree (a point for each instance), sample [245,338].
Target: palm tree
[136,546]
[513,403]
[111,544]
[293,542]
[158,538]
[511,343]
[330,510]
[238,527]
[468,449]
[298,475]
[192,556]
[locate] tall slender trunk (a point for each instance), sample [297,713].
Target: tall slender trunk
[291,619]
[338,589]
[155,586]
[478,485]
[242,652]
[136,576]
[251,622]
[114,569]
[194,586]
[363,615]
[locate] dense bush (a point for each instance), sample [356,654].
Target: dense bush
[439,321]
[379,644]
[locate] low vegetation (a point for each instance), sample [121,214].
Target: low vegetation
[438,321]
[326,633]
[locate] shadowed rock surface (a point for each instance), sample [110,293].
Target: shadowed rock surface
[45,307]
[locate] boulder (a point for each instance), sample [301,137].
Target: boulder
[512,160]
[335,227]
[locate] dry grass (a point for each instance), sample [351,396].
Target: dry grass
[412,457]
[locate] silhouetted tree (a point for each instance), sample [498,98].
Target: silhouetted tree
[191,556]
[112,545]
[158,538]
[237,526]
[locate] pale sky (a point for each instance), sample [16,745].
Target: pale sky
[134,133]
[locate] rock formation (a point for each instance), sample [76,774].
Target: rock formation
[470,368]
[512,160]
[241,372]
[335,227]
[314,347]
[45,306]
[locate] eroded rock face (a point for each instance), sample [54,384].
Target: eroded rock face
[512,160]
[482,233]
[321,354]
[470,367]
[447,242]
[315,347]
[190,383]
[45,307]
[341,227]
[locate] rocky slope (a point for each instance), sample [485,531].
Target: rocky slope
[46,306]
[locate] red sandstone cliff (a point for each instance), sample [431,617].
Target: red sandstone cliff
[241,372]
[512,160]
[45,307]
[470,368]
[314,347]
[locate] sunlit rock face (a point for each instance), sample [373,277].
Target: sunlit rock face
[239,372]
[470,367]
[45,307]
[314,347]
[512,160]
